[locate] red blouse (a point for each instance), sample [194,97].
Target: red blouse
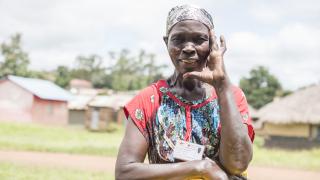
[156,112]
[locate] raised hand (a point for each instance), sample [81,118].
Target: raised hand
[214,72]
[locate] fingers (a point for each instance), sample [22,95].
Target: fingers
[222,42]
[214,44]
[193,74]
[212,161]
[204,76]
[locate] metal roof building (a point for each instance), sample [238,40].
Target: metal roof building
[42,88]
[33,100]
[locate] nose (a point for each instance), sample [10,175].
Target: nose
[189,49]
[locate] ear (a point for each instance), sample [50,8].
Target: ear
[165,39]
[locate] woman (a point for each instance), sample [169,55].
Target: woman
[197,104]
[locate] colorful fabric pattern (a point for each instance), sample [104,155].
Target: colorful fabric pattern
[159,114]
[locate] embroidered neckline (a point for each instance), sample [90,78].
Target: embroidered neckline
[164,89]
[194,102]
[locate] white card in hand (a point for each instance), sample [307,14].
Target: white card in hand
[187,151]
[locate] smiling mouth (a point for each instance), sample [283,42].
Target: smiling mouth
[188,61]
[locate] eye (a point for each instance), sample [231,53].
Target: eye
[200,39]
[176,40]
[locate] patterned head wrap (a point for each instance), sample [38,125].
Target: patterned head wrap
[188,12]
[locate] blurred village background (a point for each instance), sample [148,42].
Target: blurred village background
[61,108]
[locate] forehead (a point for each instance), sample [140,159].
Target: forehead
[189,27]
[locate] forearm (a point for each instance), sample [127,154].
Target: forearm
[132,153]
[235,150]
[172,171]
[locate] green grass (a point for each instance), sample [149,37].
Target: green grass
[34,137]
[300,159]
[11,171]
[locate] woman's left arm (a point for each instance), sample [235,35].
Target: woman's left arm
[235,151]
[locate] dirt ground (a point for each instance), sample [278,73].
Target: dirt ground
[96,163]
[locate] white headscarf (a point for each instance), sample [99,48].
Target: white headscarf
[188,12]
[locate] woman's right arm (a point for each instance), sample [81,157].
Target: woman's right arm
[132,153]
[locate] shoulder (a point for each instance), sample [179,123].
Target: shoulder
[143,105]
[151,92]
[239,97]
[237,91]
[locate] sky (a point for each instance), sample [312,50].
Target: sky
[283,35]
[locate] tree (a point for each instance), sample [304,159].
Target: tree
[122,72]
[260,87]
[90,68]
[16,61]
[150,70]
[132,73]
[62,76]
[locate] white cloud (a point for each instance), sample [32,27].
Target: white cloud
[258,32]
[292,54]
[276,12]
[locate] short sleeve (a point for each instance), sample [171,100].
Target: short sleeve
[243,108]
[140,109]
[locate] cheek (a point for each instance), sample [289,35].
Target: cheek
[203,51]
[173,52]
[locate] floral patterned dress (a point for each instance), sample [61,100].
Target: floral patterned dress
[163,118]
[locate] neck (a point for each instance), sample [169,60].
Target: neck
[188,88]
[190,84]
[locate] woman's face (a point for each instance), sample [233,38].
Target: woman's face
[188,46]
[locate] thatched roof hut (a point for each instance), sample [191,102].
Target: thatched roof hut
[302,106]
[292,121]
